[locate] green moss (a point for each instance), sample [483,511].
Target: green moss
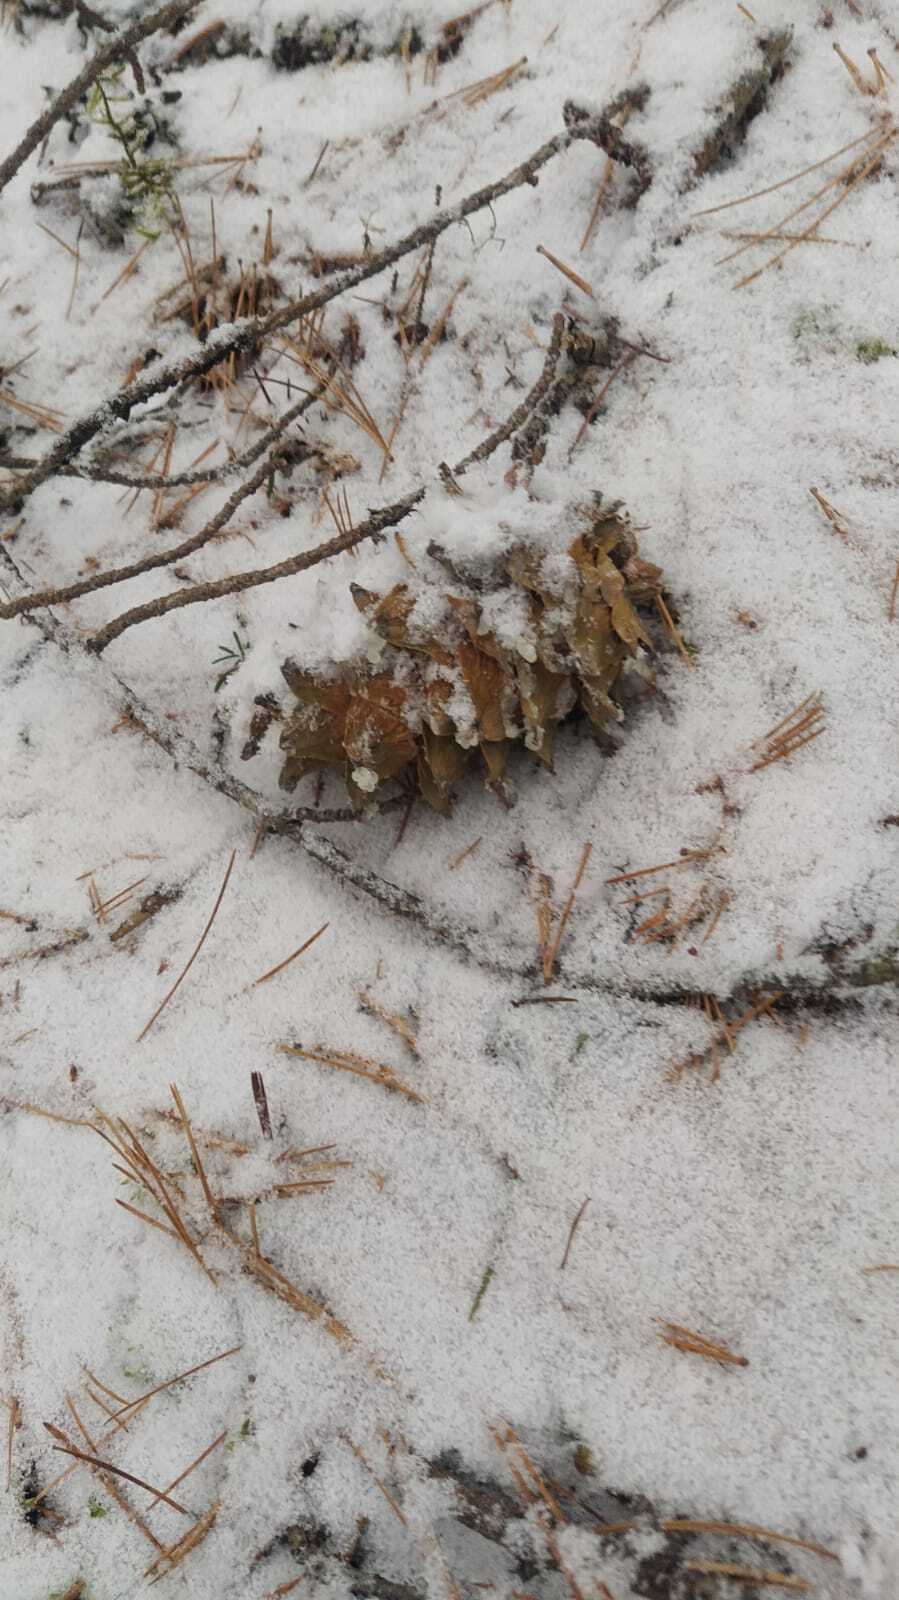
[871,350]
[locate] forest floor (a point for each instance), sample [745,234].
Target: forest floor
[505,1202]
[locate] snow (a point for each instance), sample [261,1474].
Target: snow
[744,1206]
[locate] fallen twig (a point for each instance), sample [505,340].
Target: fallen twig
[237,338]
[121,46]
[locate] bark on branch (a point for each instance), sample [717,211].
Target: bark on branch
[238,337]
[372,528]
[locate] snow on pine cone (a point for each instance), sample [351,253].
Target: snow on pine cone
[501,653]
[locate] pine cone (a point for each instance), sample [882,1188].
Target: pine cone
[470,687]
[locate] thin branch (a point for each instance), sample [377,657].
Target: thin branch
[114,50]
[96,472]
[236,582]
[162,558]
[371,528]
[238,337]
[520,415]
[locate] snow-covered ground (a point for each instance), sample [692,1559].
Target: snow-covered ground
[742,1197]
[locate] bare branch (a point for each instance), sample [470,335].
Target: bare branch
[97,472]
[160,558]
[236,582]
[521,413]
[122,45]
[238,337]
[372,528]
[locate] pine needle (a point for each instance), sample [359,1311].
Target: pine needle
[794,177]
[362,1066]
[759,1575]
[12,1407]
[188,1470]
[392,1019]
[700,1345]
[747,1530]
[572,1231]
[176,1553]
[551,953]
[273,972]
[119,1472]
[395,1508]
[198,1165]
[176,985]
[181,1377]
[568,272]
[471,848]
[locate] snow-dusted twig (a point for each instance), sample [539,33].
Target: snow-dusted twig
[238,337]
[97,472]
[371,528]
[122,46]
[160,558]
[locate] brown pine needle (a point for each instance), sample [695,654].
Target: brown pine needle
[542,1488]
[471,848]
[855,75]
[39,414]
[842,177]
[572,1231]
[119,1472]
[348,1061]
[849,189]
[686,858]
[883,1266]
[305,1185]
[673,630]
[392,1019]
[12,1407]
[175,1553]
[273,971]
[598,399]
[759,1575]
[260,1099]
[200,1169]
[568,272]
[99,1384]
[188,1470]
[747,1530]
[396,1509]
[793,731]
[162,1226]
[891,609]
[604,182]
[176,985]
[700,1345]
[794,177]
[723,900]
[180,1378]
[551,953]
[476,92]
[284,1588]
[834,517]
[126,270]
[295,1155]
[747,13]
